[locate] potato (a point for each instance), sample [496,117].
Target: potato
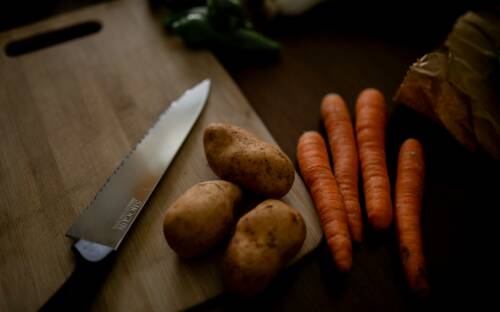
[201,217]
[236,155]
[266,238]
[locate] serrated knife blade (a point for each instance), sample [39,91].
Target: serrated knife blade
[110,215]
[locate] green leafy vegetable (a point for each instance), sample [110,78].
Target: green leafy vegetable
[219,25]
[226,15]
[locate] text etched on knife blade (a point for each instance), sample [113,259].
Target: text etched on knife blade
[128,215]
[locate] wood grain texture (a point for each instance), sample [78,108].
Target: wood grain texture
[68,114]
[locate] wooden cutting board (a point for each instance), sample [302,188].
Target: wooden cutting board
[68,114]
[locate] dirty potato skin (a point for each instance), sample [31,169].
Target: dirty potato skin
[265,239]
[236,155]
[201,217]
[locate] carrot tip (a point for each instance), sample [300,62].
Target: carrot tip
[331,95]
[344,267]
[357,239]
[379,223]
[422,291]
[369,91]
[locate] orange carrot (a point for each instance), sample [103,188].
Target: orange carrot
[370,130]
[312,156]
[408,203]
[345,158]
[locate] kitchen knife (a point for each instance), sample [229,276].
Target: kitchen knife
[103,225]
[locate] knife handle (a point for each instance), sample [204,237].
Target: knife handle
[93,263]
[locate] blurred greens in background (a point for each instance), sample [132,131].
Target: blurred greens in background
[219,25]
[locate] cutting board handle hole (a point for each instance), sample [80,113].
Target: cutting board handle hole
[50,38]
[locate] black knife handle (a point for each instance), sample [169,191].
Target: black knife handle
[93,263]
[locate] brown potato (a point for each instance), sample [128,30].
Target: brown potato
[266,238]
[201,217]
[236,155]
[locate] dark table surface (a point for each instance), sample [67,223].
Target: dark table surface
[343,48]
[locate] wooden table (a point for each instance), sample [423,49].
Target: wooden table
[339,48]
